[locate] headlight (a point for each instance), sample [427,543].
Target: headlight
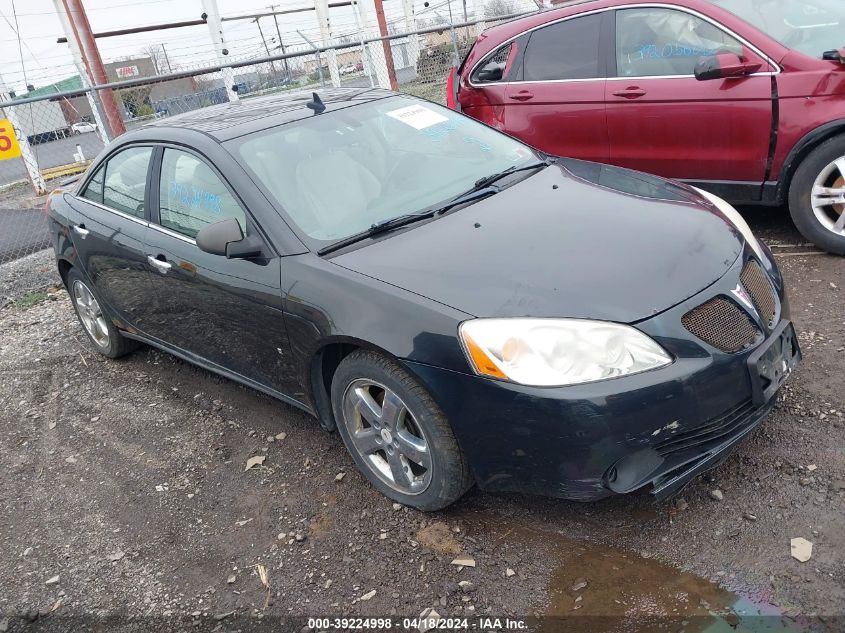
[736,219]
[557,352]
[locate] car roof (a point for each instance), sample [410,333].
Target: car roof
[228,120]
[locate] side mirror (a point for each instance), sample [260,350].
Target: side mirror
[226,238]
[491,72]
[724,66]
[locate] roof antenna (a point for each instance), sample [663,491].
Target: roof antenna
[316,104]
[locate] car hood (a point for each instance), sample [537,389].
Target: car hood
[577,239]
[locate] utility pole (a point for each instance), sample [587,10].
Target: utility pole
[27,155]
[215,27]
[266,48]
[91,57]
[272,7]
[166,58]
[388,51]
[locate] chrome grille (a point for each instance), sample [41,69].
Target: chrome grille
[722,324]
[756,282]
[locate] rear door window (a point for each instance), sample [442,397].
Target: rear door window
[564,50]
[125,181]
[192,195]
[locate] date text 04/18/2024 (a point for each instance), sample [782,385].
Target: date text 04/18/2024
[428,622]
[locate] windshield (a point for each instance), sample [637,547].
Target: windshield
[809,26]
[339,173]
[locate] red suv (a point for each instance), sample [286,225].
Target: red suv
[743,98]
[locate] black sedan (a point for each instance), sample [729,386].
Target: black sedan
[461,307]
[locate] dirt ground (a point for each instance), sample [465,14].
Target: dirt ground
[124,495]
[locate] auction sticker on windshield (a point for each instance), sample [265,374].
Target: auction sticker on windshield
[417,116]
[9,147]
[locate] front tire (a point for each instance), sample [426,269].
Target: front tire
[102,333]
[397,435]
[817,196]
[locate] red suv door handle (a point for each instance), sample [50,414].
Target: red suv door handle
[630,93]
[522,95]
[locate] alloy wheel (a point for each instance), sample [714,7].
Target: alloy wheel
[90,314]
[828,197]
[387,436]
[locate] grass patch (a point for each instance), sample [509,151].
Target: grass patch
[30,299]
[433,91]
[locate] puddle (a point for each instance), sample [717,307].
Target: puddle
[603,589]
[600,589]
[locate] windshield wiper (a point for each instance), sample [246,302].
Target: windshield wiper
[482,188]
[375,229]
[409,218]
[489,180]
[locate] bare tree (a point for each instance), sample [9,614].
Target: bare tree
[499,7]
[348,38]
[153,51]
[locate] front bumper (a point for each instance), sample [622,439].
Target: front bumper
[659,428]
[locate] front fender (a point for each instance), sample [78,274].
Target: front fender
[327,304]
[806,144]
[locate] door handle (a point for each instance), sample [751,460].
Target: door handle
[161,266]
[630,93]
[522,95]
[81,231]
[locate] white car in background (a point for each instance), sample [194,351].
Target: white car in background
[348,69]
[82,127]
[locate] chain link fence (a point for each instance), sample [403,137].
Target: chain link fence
[46,139]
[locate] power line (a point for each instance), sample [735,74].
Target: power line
[20,46]
[108,8]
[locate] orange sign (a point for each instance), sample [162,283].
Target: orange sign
[9,147]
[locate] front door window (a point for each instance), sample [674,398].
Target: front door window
[654,42]
[192,195]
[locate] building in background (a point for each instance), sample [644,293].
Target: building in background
[48,120]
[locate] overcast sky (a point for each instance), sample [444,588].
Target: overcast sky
[45,61]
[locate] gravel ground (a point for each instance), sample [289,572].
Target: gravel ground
[125,494]
[27,275]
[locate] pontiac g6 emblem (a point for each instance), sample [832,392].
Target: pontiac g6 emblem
[740,293]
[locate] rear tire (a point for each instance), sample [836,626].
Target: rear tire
[823,170]
[397,435]
[99,329]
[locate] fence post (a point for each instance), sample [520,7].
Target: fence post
[102,130]
[316,56]
[27,155]
[377,50]
[78,21]
[366,58]
[410,27]
[215,27]
[322,9]
[454,35]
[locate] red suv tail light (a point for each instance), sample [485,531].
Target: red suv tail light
[451,89]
